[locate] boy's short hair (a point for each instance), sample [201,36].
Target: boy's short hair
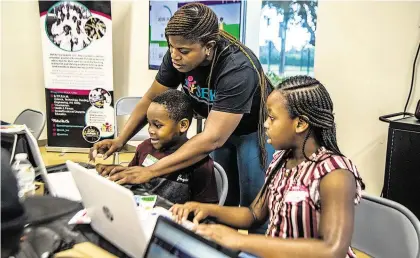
[177,103]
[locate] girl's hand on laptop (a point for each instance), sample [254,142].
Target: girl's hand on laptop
[181,211]
[220,234]
[130,175]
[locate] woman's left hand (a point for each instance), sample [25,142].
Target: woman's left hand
[132,175]
[220,234]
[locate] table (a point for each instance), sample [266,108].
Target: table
[55,158]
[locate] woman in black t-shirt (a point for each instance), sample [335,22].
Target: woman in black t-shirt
[227,85]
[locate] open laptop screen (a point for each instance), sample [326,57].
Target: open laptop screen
[170,240]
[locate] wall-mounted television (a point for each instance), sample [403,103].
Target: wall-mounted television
[228,13]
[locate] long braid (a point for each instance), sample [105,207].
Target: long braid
[263,82]
[304,143]
[198,23]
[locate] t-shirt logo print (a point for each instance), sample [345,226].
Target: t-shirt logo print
[191,84]
[201,94]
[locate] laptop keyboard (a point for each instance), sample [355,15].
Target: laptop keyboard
[63,167]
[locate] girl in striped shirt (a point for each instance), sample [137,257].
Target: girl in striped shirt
[311,188]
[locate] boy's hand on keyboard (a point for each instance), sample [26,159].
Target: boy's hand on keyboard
[104,170]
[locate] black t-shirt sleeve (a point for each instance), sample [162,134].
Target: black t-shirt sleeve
[235,89]
[168,76]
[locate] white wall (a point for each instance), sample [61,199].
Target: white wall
[364,55]
[21,59]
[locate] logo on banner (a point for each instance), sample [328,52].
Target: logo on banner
[70,26]
[99,98]
[95,28]
[91,134]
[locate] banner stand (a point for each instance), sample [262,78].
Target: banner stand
[78,71]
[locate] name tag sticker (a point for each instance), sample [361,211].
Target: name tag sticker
[149,160]
[296,194]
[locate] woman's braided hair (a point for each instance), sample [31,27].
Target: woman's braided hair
[198,23]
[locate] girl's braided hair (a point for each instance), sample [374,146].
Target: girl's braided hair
[308,99]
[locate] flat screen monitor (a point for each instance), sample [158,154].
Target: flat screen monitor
[228,13]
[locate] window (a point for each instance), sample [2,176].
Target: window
[287,38]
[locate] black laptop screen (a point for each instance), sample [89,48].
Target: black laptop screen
[169,241]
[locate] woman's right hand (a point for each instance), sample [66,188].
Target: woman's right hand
[106,147]
[181,211]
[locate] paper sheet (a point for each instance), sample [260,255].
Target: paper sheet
[64,186]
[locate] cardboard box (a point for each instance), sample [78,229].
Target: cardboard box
[39,188]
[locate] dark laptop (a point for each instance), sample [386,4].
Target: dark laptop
[170,240]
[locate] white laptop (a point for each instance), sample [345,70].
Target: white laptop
[112,209]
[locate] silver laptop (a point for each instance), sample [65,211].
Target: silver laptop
[112,209]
